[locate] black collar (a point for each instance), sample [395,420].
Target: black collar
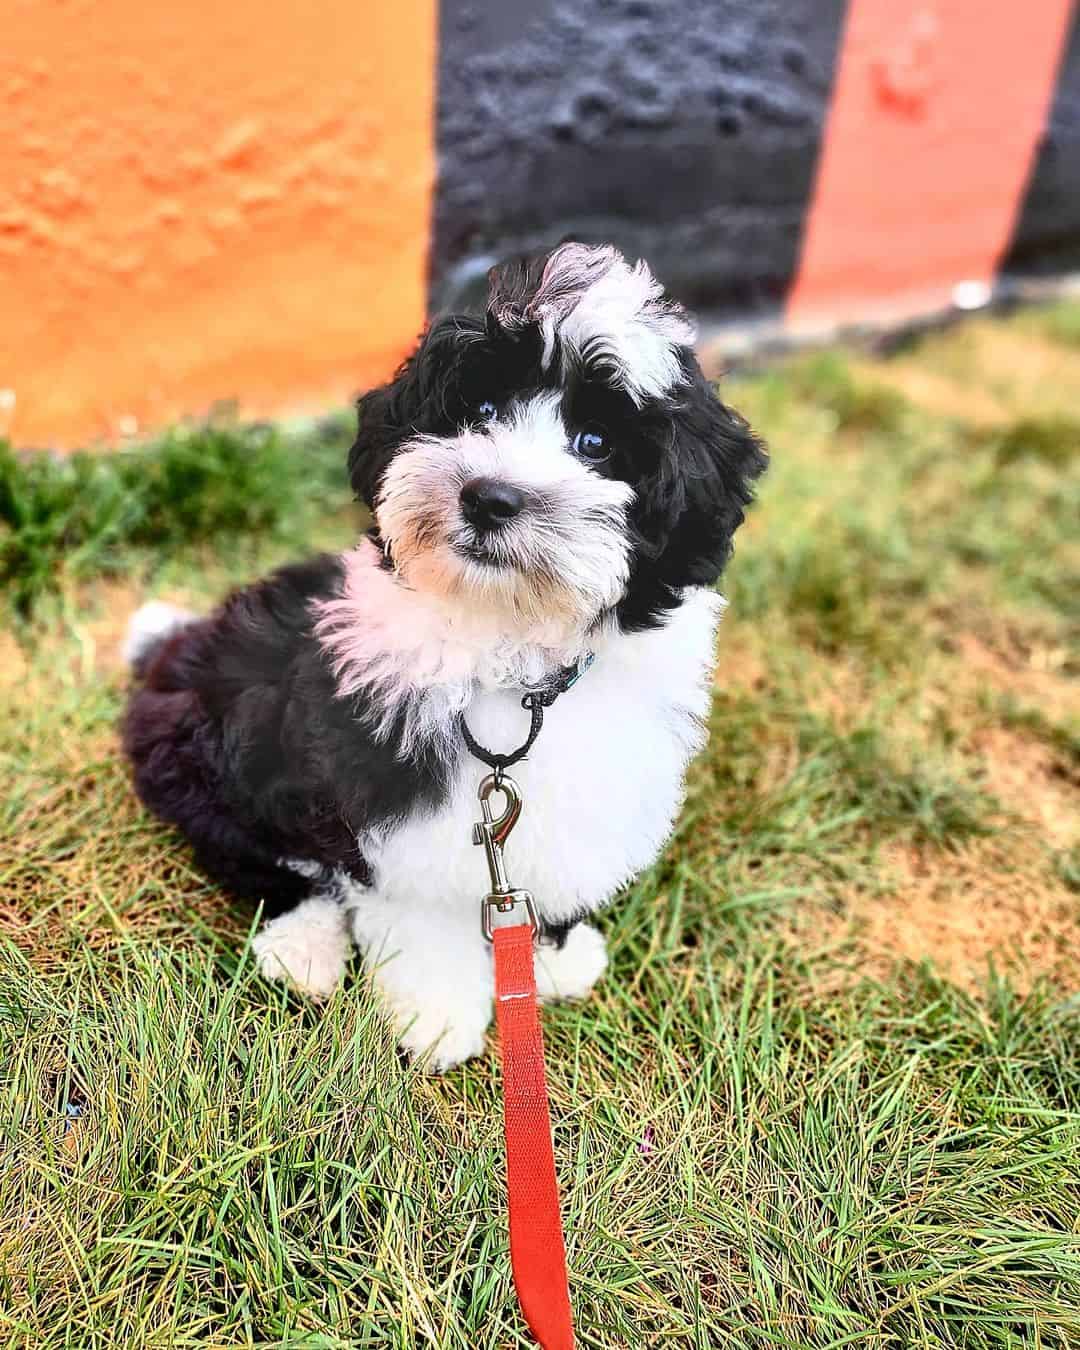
[534,701]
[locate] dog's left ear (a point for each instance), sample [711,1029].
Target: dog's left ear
[686,515]
[717,457]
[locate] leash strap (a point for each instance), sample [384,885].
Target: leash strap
[537,1253]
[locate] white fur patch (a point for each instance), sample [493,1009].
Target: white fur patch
[601,789]
[600,307]
[419,641]
[308,946]
[571,971]
[433,971]
[150,624]
[420,658]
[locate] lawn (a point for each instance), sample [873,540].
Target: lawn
[828,1094]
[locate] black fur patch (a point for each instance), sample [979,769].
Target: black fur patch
[237,737]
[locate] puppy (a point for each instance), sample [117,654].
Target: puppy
[554,484]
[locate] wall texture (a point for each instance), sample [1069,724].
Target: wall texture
[208,202]
[687,133]
[936,116]
[241,201]
[1047,235]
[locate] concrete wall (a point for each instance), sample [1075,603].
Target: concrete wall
[686,132]
[934,124]
[209,201]
[1046,239]
[260,201]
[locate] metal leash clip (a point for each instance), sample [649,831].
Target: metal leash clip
[492,832]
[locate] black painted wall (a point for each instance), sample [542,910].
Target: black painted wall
[683,130]
[1046,240]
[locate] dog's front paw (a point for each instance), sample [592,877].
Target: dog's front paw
[443,1045]
[308,947]
[570,971]
[439,1027]
[431,969]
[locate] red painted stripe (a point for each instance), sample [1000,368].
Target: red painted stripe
[936,112]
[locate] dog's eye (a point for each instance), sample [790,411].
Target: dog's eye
[592,443]
[486,411]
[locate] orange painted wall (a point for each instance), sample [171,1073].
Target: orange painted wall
[936,112]
[207,201]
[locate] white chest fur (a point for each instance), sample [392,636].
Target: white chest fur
[601,787]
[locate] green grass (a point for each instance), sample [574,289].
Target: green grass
[829,1094]
[1053,439]
[86,514]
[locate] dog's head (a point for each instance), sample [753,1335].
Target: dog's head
[560,458]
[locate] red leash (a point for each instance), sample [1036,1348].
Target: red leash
[537,1253]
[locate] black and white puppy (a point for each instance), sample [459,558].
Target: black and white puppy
[552,479]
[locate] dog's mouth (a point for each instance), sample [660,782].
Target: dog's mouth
[479,550]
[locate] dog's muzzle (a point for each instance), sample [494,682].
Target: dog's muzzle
[489,503]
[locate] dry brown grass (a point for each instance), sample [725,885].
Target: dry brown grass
[984,372]
[990,901]
[996,900]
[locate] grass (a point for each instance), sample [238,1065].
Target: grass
[829,1094]
[86,514]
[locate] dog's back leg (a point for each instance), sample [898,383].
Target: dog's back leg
[308,945]
[173,752]
[305,940]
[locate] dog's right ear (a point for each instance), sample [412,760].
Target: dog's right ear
[384,421]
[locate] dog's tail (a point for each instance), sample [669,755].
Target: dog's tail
[148,628]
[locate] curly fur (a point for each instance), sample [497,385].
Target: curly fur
[306,737]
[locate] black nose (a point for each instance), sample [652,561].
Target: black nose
[488,504]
